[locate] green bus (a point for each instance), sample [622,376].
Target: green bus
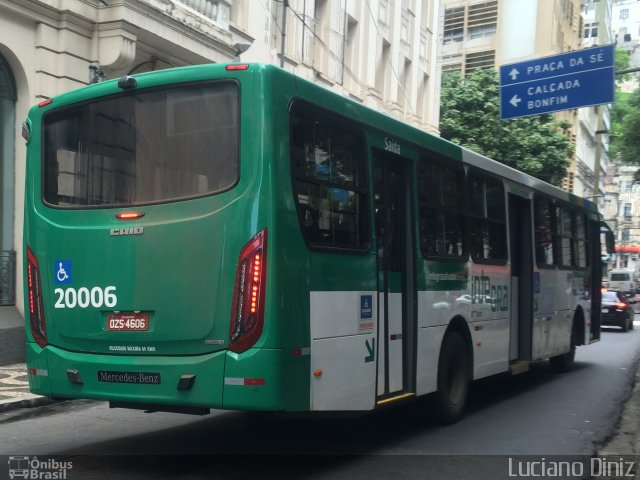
[235,237]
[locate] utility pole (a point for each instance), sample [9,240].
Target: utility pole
[628,70]
[285,6]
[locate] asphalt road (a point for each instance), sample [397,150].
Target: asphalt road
[537,414]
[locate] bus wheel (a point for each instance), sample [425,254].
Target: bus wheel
[453,379]
[564,363]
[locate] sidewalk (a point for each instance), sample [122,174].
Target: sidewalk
[14,384]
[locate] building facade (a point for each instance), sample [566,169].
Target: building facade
[622,213]
[589,166]
[480,34]
[382,53]
[379,52]
[625,25]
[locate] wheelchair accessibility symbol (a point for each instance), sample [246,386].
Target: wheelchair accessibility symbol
[62,269]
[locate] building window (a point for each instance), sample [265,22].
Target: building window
[424,43]
[591,30]
[383,12]
[405,27]
[625,235]
[483,20]
[624,14]
[453,25]
[627,210]
[479,60]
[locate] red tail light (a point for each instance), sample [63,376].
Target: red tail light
[36,310]
[247,312]
[621,305]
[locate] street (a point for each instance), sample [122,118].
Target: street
[537,413]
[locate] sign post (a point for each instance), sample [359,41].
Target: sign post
[558,82]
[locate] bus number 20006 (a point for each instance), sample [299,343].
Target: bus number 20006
[97,297]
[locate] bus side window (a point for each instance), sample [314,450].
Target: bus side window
[544,231]
[564,237]
[487,220]
[328,179]
[441,210]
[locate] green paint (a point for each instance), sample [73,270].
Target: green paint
[371,348]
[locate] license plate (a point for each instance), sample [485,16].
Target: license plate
[605,310]
[127,322]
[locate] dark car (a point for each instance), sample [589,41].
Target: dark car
[616,310]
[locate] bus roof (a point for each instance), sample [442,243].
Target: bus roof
[341,104]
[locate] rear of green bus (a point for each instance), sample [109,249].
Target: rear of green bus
[147,242]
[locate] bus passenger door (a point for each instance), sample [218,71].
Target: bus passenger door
[522,278]
[396,277]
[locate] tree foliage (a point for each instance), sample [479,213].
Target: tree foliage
[625,134]
[622,61]
[470,116]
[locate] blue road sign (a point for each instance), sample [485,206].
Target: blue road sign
[559,82]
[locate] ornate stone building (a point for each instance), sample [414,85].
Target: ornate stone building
[379,52]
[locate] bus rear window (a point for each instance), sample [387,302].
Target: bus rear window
[143,147]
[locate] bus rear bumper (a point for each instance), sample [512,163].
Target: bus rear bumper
[195,381]
[249,381]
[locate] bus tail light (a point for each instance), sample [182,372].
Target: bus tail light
[36,308]
[247,311]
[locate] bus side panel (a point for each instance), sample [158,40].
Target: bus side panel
[443,294]
[343,351]
[545,306]
[38,370]
[253,380]
[490,318]
[429,342]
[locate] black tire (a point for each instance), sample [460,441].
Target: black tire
[625,325]
[565,362]
[454,375]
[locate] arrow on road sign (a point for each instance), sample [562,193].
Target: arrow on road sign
[515,100]
[514,74]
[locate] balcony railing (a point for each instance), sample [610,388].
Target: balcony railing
[216,10]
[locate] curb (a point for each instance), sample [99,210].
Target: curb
[29,402]
[626,438]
